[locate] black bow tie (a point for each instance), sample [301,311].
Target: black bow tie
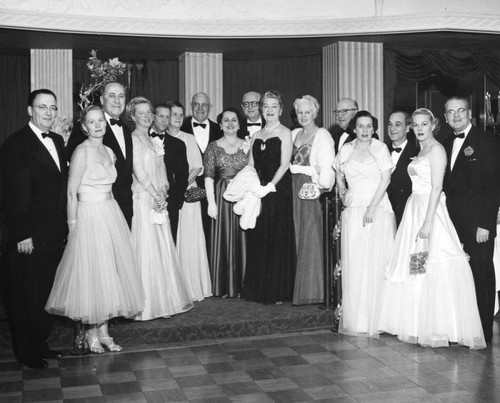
[196,124]
[397,149]
[254,124]
[49,134]
[460,135]
[115,122]
[154,134]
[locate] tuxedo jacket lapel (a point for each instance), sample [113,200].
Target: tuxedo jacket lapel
[38,151]
[111,142]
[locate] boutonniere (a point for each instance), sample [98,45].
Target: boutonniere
[468,151]
[158,146]
[246,145]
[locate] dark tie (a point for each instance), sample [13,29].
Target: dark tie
[460,135]
[115,122]
[49,134]
[196,124]
[154,134]
[254,124]
[397,149]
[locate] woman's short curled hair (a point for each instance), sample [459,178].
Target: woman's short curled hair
[85,112]
[274,94]
[427,112]
[233,110]
[130,108]
[363,114]
[310,100]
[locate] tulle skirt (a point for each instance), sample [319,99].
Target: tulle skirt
[97,278]
[165,286]
[439,306]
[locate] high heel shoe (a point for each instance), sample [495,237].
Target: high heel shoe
[109,343]
[94,343]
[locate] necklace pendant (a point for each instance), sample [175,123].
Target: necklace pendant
[262,146]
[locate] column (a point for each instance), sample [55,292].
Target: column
[354,70]
[201,72]
[53,69]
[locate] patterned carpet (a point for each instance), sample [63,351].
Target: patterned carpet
[213,318]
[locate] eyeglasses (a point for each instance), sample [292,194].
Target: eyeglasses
[343,111]
[252,104]
[45,108]
[162,116]
[196,105]
[460,111]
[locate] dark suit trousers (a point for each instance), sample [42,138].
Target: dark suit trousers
[31,278]
[173,215]
[481,262]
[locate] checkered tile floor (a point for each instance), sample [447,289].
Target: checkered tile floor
[316,366]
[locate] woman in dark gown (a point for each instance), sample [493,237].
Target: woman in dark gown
[222,160]
[270,270]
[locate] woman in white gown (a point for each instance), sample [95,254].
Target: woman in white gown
[191,243]
[163,280]
[367,224]
[437,305]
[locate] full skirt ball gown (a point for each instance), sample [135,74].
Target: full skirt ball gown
[438,306]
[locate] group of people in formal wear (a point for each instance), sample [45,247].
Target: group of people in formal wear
[142,222]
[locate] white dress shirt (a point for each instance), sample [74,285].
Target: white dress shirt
[254,129]
[118,132]
[457,145]
[202,135]
[395,155]
[48,143]
[342,139]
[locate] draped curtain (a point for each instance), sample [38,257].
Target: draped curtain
[14,90]
[453,69]
[292,76]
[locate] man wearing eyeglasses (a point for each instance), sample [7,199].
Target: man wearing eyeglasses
[34,181]
[346,109]
[254,120]
[472,187]
[203,129]
[176,163]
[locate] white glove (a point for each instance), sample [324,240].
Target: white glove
[263,191]
[212,206]
[303,169]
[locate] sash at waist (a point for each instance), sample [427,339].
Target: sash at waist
[91,197]
[226,172]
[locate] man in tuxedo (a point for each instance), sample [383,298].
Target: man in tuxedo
[175,162]
[203,129]
[250,104]
[34,180]
[402,151]
[471,184]
[117,138]
[346,109]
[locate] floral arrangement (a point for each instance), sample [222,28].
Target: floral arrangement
[62,125]
[101,73]
[158,146]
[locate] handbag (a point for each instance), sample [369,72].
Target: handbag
[194,194]
[309,191]
[418,260]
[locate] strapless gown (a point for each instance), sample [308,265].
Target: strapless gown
[97,278]
[439,306]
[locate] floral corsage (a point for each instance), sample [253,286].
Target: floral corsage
[468,151]
[158,146]
[246,145]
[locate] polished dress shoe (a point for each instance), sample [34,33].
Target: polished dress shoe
[51,355]
[36,363]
